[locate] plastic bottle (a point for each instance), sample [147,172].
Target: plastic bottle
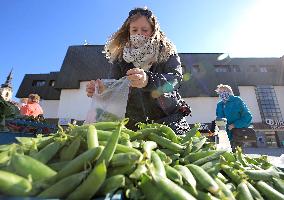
[224,142]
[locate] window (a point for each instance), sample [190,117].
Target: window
[51,83]
[268,103]
[236,68]
[222,68]
[252,68]
[38,83]
[271,68]
[263,69]
[195,68]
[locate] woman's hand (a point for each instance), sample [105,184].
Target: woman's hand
[231,126]
[91,87]
[137,77]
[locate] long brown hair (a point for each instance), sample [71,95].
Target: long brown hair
[114,46]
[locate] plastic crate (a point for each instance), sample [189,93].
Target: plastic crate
[10,137]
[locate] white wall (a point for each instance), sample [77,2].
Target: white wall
[50,108]
[247,93]
[279,90]
[203,109]
[74,103]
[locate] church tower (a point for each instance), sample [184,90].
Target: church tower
[6,90]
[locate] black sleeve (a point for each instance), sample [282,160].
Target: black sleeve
[170,78]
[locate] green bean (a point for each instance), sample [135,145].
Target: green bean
[124,159]
[279,184]
[187,176]
[192,157]
[198,145]
[92,137]
[4,157]
[190,133]
[203,178]
[151,191]
[92,183]
[167,131]
[111,146]
[205,196]
[262,174]
[268,191]
[57,166]
[14,185]
[106,126]
[26,165]
[232,173]
[78,163]
[111,184]
[243,192]
[70,151]
[254,192]
[166,159]
[225,190]
[125,169]
[166,143]
[171,189]
[139,171]
[63,187]
[173,175]
[33,149]
[158,165]
[47,153]
[206,159]
[148,146]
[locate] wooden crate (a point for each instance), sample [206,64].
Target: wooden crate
[244,137]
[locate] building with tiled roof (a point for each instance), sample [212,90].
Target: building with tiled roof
[258,81]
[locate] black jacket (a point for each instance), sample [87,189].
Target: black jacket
[143,104]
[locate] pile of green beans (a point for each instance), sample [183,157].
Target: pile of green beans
[96,160]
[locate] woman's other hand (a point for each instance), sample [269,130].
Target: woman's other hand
[91,87]
[231,126]
[137,77]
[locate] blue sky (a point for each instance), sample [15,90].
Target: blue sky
[35,34]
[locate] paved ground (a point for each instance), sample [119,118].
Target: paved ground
[264,151]
[275,155]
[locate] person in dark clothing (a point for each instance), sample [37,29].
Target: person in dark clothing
[142,52]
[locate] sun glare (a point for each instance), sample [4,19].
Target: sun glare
[260,31]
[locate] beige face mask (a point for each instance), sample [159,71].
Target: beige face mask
[142,51]
[137,41]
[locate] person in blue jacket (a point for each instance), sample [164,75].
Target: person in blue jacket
[233,109]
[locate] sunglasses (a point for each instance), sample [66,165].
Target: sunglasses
[142,11]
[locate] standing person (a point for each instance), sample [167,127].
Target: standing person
[141,51]
[32,108]
[23,101]
[233,109]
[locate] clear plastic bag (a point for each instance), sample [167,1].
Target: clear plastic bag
[110,105]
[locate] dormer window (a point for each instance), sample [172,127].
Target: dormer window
[263,69]
[252,68]
[236,68]
[38,83]
[51,83]
[222,68]
[195,68]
